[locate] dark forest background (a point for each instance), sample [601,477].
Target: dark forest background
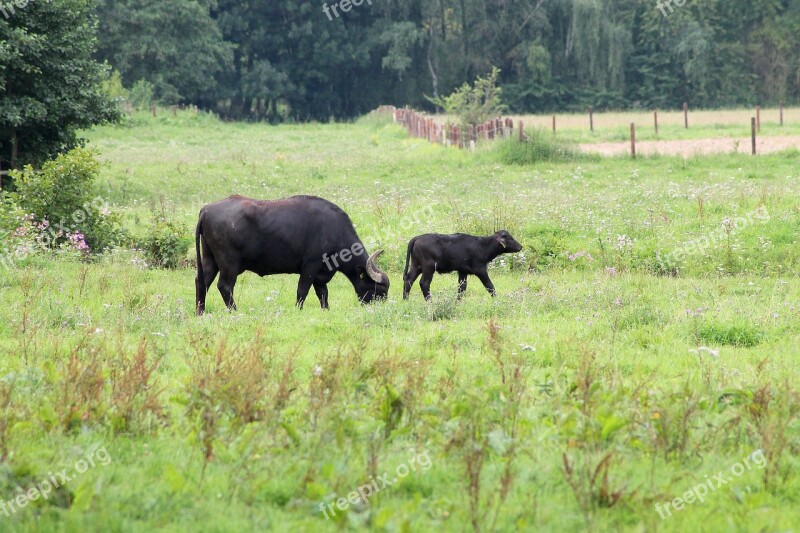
[285,59]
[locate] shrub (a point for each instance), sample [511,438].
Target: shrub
[113,87]
[10,215]
[141,94]
[474,104]
[60,200]
[167,241]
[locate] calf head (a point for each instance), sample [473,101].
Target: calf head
[507,242]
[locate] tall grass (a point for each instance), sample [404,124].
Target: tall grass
[539,146]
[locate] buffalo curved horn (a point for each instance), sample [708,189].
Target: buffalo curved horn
[372,269]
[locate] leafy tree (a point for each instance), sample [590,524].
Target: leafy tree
[173,44]
[50,86]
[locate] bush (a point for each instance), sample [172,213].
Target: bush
[540,146]
[141,95]
[114,89]
[10,214]
[61,202]
[474,104]
[167,241]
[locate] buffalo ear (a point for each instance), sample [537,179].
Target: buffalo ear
[502,241]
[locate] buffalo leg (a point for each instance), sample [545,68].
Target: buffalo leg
[210,271]
[425,284]
[225,285]
[462,284]
[484,277]
[200,303]
[409,280]
[302,289]
[322,293]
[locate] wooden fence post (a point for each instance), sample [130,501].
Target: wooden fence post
[758,118]
[686,115]
[655,119]
[753,134]
[591,119]
[521,131]
[554,124]
[633,140]
[153,110]
[781,114]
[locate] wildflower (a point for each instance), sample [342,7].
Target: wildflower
[728,224]
[624,242]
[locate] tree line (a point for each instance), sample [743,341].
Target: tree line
[292,59]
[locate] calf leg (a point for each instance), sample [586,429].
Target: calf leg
[225,285]
[322,293]
[409,279]
[484,277]
[462,284]
[425,283]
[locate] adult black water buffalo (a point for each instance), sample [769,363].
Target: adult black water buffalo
[465,254]
[302,235]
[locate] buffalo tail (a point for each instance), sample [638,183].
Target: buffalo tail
[201,281]
[408,255]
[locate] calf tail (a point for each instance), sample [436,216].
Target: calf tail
[201,282]
[408,255]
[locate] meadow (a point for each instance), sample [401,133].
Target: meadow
[643,345]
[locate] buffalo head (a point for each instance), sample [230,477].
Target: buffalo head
[372,282]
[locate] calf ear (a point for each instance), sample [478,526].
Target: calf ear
[502,241]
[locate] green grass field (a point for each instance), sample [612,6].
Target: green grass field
[642,348]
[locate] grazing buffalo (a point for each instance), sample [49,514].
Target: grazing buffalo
[465,254]
[302,235]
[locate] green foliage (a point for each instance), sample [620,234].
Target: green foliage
[50,84]
[474,104]
[113,87]
[174,45]
[10,215]
[142,95]
[167,241]
[63,194]
[269,60]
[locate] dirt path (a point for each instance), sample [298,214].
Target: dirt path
[688,148]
